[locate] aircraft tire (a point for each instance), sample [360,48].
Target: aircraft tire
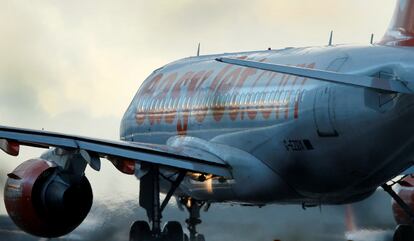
[173,231]
[404,233]
[140,231]
[201,237]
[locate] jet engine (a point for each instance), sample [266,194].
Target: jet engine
[406,192]
[46,201]
[405,228]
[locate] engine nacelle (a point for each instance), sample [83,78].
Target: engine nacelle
[44,201]
[406,192]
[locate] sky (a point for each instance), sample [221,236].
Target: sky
[74,66]
[91,56]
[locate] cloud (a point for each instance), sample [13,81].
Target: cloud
[81,55]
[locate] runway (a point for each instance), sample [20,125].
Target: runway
[110,220]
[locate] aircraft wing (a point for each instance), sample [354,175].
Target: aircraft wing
[180,158]
[323,75]
[409,171]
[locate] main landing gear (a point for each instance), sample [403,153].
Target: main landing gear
[149,199]
[402,232]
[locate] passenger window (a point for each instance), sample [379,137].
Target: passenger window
[158,106]
[216,101]
[175,103]
[281,97]
[266,98]
[286,99]
[189,100]
[169,104]
[238,99]
[152,103]
[223,101]
[297,95]
[262,98]
[247,100]
[242,98]
[161,106]
[209,101]
[182,102]
[196,101]
[231,99]
[201,100]
[226,99]
[254,102]
[139,105]
[185,102]
[204,101]
[144,104]
[272,97]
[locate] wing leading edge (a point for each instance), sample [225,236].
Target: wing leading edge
[323,75]
[162,155]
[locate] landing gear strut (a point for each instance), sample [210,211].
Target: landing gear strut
[403,232]
[149,199]
[193,207]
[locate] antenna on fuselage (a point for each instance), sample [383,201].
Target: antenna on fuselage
[372,38]
[198,50]
[330,39]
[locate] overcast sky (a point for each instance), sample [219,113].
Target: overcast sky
[73,66]
[91,56]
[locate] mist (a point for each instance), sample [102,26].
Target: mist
[116,207]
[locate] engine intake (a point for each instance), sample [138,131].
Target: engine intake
[44,201]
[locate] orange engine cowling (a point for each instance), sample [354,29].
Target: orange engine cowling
[44,201]
[406,192]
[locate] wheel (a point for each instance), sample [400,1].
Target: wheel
[404,233]
[140,231]
[200,237]
[173,231]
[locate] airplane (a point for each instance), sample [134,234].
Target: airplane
[310,126]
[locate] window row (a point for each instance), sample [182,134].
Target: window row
[207,101]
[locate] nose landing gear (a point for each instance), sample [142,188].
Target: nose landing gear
[149,199]
[193,207]
[173,231]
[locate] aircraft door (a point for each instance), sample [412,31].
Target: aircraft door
[324,113]
[323,107]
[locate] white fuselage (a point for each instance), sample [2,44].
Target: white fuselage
[287,139]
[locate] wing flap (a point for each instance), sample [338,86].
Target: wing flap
[172,157]
[323,75]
